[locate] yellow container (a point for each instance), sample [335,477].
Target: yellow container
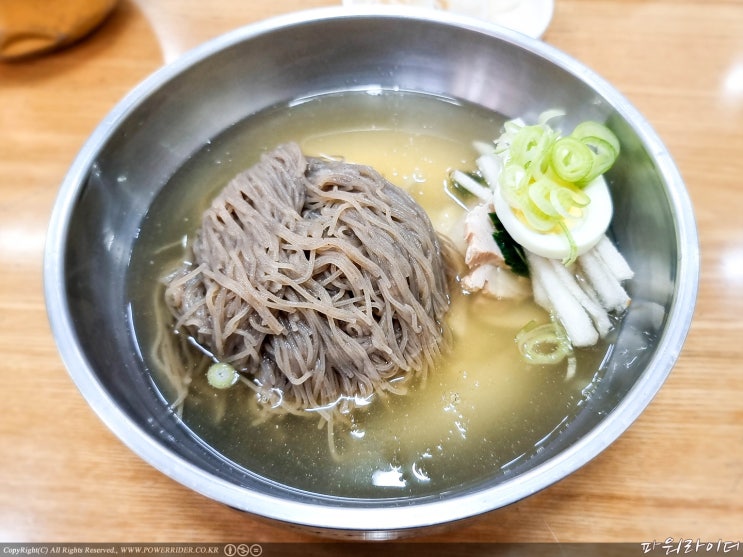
[29,27]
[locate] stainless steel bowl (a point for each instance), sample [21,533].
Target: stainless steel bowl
[171,115]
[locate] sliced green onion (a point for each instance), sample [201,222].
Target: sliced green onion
[514,182]
[513,126]
[544,344]
[562,200]
[221,375]
[594,129]
[573,253]
[510,129]
[513,177]
[539,195]
[580,198]
[530,145]
[571,159]
[568,201]
[603,155]
[548,115]
[538,220]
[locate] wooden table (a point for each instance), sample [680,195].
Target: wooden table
[677,472]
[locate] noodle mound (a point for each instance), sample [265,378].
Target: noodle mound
[315,278]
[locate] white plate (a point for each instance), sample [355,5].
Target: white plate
[530,17]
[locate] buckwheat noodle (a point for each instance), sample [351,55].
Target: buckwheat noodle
[318,280]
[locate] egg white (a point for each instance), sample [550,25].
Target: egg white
[554,245]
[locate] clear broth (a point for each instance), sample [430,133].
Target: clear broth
[482,410]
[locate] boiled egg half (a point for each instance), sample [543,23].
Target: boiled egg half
[586,231]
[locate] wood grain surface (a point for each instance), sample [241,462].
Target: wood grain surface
[678,470]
